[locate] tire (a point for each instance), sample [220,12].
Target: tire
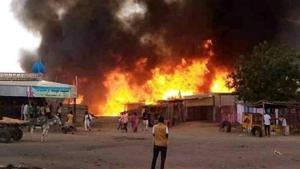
[225,126]
[4,136]
[18,134]
[256,131]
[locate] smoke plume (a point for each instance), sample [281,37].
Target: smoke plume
[89,38]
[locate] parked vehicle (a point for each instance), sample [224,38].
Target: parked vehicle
[253,123]
[10,129]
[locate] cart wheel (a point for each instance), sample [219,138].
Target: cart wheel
[4,136]
[18,134]
[256,131]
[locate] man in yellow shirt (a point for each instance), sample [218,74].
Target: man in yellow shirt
[70,118]
[160,133]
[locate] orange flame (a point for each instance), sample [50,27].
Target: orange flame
[167,81]
[79,100]
[219,83]
[184,80]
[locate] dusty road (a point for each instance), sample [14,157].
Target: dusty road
[192,146]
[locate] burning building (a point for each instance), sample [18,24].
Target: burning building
[210,107]
[146,50]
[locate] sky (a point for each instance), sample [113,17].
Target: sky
[13,38]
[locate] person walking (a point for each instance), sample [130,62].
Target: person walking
[22,109]
[160,136]
[267,123]
[125,121]
[134,122]
[87,121]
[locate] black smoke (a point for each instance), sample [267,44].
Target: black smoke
[84,38]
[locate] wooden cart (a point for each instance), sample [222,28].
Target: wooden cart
[10,129]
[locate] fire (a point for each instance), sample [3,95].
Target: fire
[184,79]
[120,92]
[219,83]
[79,100]
[167,81]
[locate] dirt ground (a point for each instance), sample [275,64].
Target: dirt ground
[193,145]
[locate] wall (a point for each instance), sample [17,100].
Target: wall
[199,102]
[224,99]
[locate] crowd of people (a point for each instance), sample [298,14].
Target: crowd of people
[134,120]
[267,123]
[32,111]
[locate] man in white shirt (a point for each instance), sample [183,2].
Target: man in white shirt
[25,112]
[267,123]
[145,120]
[87,121]
[284,125]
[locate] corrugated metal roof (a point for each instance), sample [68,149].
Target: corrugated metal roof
[198,96]
[33,83]
[37,89]
[20,76]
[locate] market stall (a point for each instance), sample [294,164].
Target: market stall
[18,88]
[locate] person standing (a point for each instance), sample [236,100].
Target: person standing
[160,134]
[135,122]
[267,123]
[47,111]
[33,113]
[70,118]
[145,120]
[87,121]
[125,121]
[69,124]
[42,111]
[120,124]
[59,110]
[30,110]
[25,112]
[283,125]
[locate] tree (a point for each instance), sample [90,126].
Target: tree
[269,72]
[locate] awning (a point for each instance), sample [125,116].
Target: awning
[37,89]
[274,104]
